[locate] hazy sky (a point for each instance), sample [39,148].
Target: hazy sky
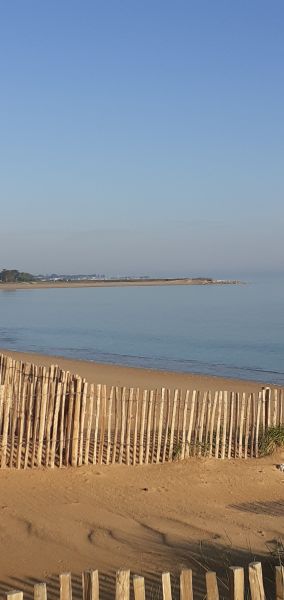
[142,136]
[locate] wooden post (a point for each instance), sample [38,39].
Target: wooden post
[14,406]
[266,407]
[208,420]
[55,424]
[7,404]
[160,426]
[186,592]
[253,424]
[188,438]
[63,418]
[69,423]
[167,425]
[76,424]
[201,424]
[128,428]
[166,585]
[142,427]
[242,415]
[98,404]
[279,583]
[116,418]
[183,438]
[153,441]
[220,402]
[139,587]
[212,424]
[49,420]
[22,402]
[247,428]
[109,411]
[29,423]
[82,422]
[90,585]
[103,425]
[172,435]
[135,427]
[232,412]
[122,588]
[259,402]
[237,424]
[212,591]
[149,417]
[274,408]
[14,595]
[40,591]
[236,583]
[256,581]
[224,434]
[65,586]
[89,423]
[122,425]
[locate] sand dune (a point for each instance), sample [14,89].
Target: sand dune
[148,518]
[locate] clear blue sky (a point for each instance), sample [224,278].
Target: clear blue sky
[142,136]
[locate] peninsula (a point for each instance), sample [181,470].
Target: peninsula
[119,282]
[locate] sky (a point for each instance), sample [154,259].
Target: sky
[142,136]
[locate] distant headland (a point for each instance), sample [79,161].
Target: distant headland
[14,279]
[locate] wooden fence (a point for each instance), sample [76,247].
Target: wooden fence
[49,417]
[238,588]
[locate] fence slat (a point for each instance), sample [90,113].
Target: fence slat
[128,426]
[122,587]
[135,426]
[186,592]
[103,425]
[148,434]
[166,585]
[256,581]
[89,423]
[188,438]
[247,427]
[122,425]
[109,412]
[139,587]
[212,424]
[65,586]
[236,583]
[40,591]
[7,403]
[212,591]
[82,422]
[90,585]
[15,595]
[116,401]
[279,582]
[142,427]
[98,405]
[172,435]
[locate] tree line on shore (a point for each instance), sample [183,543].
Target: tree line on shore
[14,276]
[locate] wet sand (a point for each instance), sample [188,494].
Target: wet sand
[137,377]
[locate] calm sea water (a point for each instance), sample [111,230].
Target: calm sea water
[233,331]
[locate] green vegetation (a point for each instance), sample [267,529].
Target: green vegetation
[14,276]
[273,439]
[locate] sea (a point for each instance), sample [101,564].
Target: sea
[228,330]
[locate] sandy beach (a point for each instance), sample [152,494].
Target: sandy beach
[198,513]
[138,377]
[112,283]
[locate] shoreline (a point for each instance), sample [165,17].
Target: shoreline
[115,283]
[119,375]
